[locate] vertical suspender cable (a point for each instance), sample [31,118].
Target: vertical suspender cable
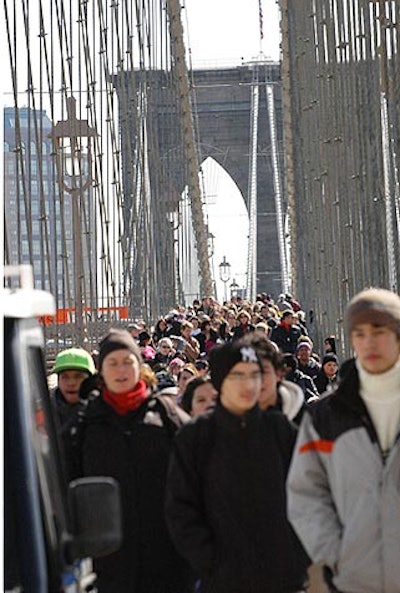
[277,188]
[179,58]
[252,252]
[386,152]
[387,194]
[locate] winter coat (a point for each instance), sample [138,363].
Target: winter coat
[241,330]
[323,383]
[311,369]
[291,401]
[225,334]
[344,496]
[191,349]
[226,503]
[286,338]
[305,383]
[205,343]
[134,449]
[68,418]
[162,359]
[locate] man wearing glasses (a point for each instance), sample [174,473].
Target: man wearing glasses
[226,502]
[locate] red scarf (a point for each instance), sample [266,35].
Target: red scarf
[127,401]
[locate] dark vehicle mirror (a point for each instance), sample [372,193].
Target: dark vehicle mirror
[96,517]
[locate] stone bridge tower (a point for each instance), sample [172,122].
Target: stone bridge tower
[222,109]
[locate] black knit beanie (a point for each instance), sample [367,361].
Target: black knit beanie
[118,339]
[375,306]
[223,357]
[329,357]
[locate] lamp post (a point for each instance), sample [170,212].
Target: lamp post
[72,140]
[234,288]
[225,274]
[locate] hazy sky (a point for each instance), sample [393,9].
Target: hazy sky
[223,33]
[230,29]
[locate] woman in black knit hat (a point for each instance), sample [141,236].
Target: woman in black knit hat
[327,377]
[127,435]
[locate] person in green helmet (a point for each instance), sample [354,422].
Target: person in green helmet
[72,367]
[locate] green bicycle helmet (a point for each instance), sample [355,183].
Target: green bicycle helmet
[74,359]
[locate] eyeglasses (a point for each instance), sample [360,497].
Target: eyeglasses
[242,377]
[165,347]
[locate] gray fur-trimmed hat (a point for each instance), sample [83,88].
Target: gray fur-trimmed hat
[222,359]
[376,306]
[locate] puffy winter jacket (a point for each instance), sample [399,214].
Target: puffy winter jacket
[344,495]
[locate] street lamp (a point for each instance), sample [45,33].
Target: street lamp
[72,140]
[234,288]
[225,274]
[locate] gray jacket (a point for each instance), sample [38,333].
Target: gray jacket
[344,496]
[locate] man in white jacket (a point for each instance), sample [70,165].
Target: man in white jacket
[344,480]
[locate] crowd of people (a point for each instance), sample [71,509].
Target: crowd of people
[242,454]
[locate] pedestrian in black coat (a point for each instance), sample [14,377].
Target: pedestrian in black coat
[327,378]
[226,501]
[127,435]
[292,373]
[72,367]
[243,326]
[207,338]
[286,334]
[160,330]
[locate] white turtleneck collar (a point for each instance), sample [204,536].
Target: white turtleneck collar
[381,394]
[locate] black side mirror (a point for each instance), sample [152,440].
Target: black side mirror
[96,517]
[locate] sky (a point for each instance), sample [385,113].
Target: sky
[220,33]
[230,30]
[225,33]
